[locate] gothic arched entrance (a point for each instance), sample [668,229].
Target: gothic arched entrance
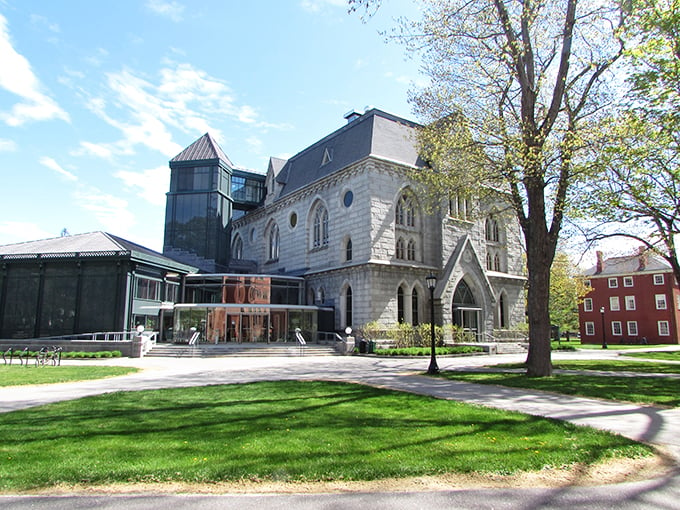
[465,309]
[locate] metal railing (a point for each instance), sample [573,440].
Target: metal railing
[105,336]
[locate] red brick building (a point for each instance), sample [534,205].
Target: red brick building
[634,299]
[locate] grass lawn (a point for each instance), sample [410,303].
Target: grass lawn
[662,391]
[608,366]
[576,344]
[290,430]
[660,355]
[19,375]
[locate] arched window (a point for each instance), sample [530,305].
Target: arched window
[348,306]
[415,320]
[348,250]
[322,296]
[497,263]
[405,215]
[400,305]
[310,296]
[274,242]
[320,227]
[463,294]
[492,231]
[489,261]
[400,248]
[237,248]
[502,312]
[411,250]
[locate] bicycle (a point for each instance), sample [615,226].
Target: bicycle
[47,356]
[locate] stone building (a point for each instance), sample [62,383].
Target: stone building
[345,215]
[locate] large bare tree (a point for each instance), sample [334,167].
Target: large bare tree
[514,87]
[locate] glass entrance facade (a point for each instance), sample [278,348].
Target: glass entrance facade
[244,308]
[222,323]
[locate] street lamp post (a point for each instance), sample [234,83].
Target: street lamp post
[604,336]
[431,284]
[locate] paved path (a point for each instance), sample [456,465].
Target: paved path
[645,423]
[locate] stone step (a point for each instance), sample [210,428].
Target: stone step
[512,348]
[236,350]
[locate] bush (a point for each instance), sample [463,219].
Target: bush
[425,351]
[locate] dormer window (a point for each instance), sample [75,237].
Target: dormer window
[327,156]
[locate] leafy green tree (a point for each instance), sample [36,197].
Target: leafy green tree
[514,87]
[567,290]
[638,194]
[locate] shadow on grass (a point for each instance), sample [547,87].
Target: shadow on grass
[292,430]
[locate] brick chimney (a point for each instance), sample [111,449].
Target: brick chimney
[600,262]
[643,256]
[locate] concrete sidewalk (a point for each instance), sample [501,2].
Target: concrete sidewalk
[643,423]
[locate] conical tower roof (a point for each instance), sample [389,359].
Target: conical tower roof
[204,148]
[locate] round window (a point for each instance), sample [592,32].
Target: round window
[348,198]
[293,220]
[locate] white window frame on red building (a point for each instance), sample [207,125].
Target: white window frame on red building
[614,303]
[588,304]
[661,302]
[590,328]
[630,302]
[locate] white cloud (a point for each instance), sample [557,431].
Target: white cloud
[100,150]
[12,232]
[53,165]
[112,212]
[255,143]
[17,77]
[42,21]
[318,5]
[172,10]
[151,185]
[7,145]
[184,98]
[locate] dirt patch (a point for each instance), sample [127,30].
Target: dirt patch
[611,472]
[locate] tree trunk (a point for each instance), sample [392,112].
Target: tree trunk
[538,360]
[541,245]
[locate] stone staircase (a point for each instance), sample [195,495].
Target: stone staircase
[512,347]
[239,350]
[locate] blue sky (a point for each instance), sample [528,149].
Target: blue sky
[96,97]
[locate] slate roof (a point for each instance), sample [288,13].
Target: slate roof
[629,264]
[375,133]
[204,148]
[92,244]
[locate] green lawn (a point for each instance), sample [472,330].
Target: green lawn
[288,430]
[576,344]
[607,366]
[19,375]
[663,391]
[660,355]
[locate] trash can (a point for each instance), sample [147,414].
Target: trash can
[371,347]
[363,346]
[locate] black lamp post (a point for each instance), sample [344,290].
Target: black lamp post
[604,337]
[431,284]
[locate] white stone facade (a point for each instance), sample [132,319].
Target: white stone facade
[316,221]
